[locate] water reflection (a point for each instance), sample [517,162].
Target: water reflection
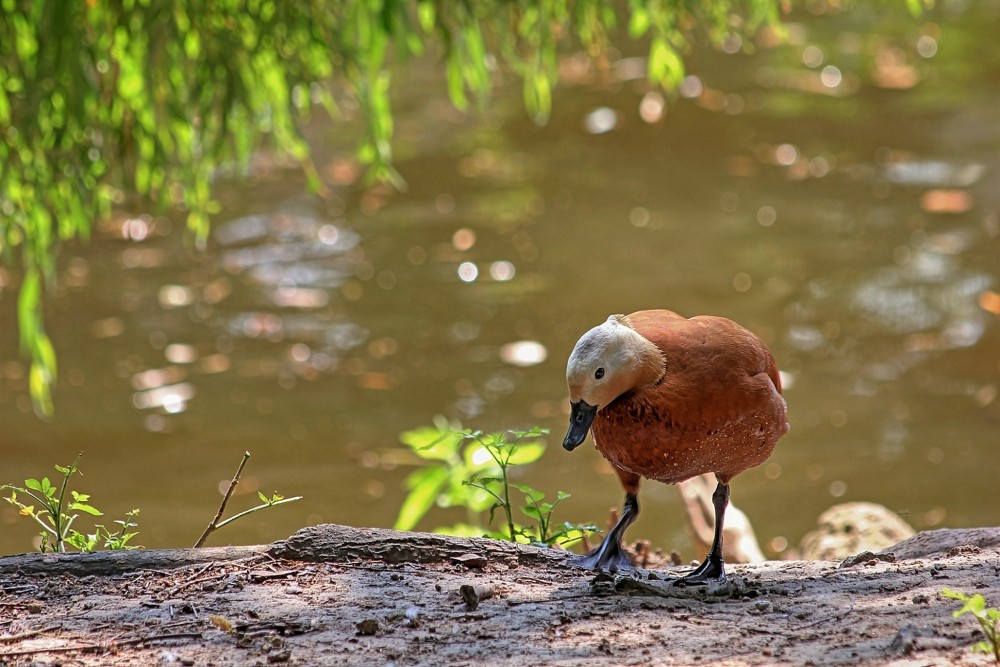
[820,192]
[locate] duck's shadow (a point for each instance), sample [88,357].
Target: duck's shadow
[646,582]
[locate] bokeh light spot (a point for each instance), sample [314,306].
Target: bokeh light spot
[463,239]
[502,271]
[652,106]
[831,76]
[601,120]
[786,154]
[467,272]
[812,56]
[524,353]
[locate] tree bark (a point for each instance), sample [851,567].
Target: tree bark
[332,542]
[326,542]
[118,562]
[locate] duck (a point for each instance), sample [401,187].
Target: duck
[668,398]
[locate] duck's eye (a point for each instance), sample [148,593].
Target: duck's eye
[599,373]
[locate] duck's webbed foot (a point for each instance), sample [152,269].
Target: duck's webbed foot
[609,555]
[711,571]
[610,558]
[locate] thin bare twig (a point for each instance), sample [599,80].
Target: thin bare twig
[7,639]
[222,508]
[104,646]
[157,638]
[193,582]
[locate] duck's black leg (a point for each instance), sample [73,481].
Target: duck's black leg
[713,569]
[609,555]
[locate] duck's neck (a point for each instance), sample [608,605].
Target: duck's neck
[646,359]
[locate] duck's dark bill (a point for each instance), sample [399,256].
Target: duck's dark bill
[581,416]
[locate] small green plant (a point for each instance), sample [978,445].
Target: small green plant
[988,618]
[103,537]
[56,513]
[472,470]
[119,540]
[542,513]
[47,503]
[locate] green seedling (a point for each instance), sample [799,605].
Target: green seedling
[541,512]
[988,618]
[472,470]
[506,450]
[55,513]
[103,537]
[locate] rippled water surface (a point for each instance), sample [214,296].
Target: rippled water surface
[838,195]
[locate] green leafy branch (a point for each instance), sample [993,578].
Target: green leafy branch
[217,522]
[987,617]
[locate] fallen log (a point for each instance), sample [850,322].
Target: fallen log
[327,542]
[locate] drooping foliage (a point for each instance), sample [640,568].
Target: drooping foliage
[103,103]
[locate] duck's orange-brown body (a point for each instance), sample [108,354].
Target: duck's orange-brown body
[668,398]
[718,407]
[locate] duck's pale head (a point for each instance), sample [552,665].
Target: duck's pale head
[608,361]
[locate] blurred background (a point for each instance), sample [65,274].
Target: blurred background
[837,192]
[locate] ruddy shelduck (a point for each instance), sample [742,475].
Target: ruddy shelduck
[669,398]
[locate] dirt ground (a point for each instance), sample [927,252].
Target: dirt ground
[331,595]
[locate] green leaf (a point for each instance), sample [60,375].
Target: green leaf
[4,107]
[533,432]
[526,453]
[532,512]
[456,83]
[432,443]
[39,384]
[983,647]
[533,495]
[665,66]
[974,604]
[33,484]
[426,15]
[425,485]
[479,458]
[46,354]
[638,22]
[28,305]
[84,507]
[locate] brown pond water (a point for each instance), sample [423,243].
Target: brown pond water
[838,195]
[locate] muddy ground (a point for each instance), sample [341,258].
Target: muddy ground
[331,595]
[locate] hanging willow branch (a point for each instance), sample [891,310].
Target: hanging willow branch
[104,102]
